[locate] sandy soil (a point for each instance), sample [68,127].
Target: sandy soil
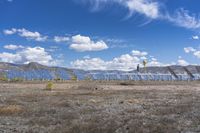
[100,107]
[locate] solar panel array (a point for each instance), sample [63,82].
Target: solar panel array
[62,74]
[36,71]
[40,74]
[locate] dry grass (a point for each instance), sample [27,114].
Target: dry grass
[11,109]
[133,101]
[78,107]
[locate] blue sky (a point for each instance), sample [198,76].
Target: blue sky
[100,34]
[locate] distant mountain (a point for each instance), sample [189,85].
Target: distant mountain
[35,71]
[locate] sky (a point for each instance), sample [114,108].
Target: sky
[100,34]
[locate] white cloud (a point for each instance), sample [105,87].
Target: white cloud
[61,39]
[183,18]
[156,63]
[114,40]
[152,9]
[35,54]
[9,57]
[31,35]
[145,7]
[192,50]
[10,32]
[182,62]
[139,53]
[149,8]
[153,59]
[89,64]
[86,57]
[195,37]
[143,58]
[29,54]
[197,54]
[26,33]
[53,49]
[189,49]
[13,47]
[84,43]
[125,62]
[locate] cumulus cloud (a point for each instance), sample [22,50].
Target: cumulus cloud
[10,32]
[9,57]
[31,35]
[29,54]
[125,62]
[61,39]
[84,43]
[139,53]
[78,42]
[26,33]
[182,62]
[197,54]
[89,64]
[192,50]
[13,47]
[189,49]
[195,37]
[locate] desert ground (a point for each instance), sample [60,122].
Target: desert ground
[100,107]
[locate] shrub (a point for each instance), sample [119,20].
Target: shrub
[16,80]
[57,79]
[74,78]
[4,79]
[49,86]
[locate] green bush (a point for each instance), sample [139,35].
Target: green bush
[49,86]
[74,78]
